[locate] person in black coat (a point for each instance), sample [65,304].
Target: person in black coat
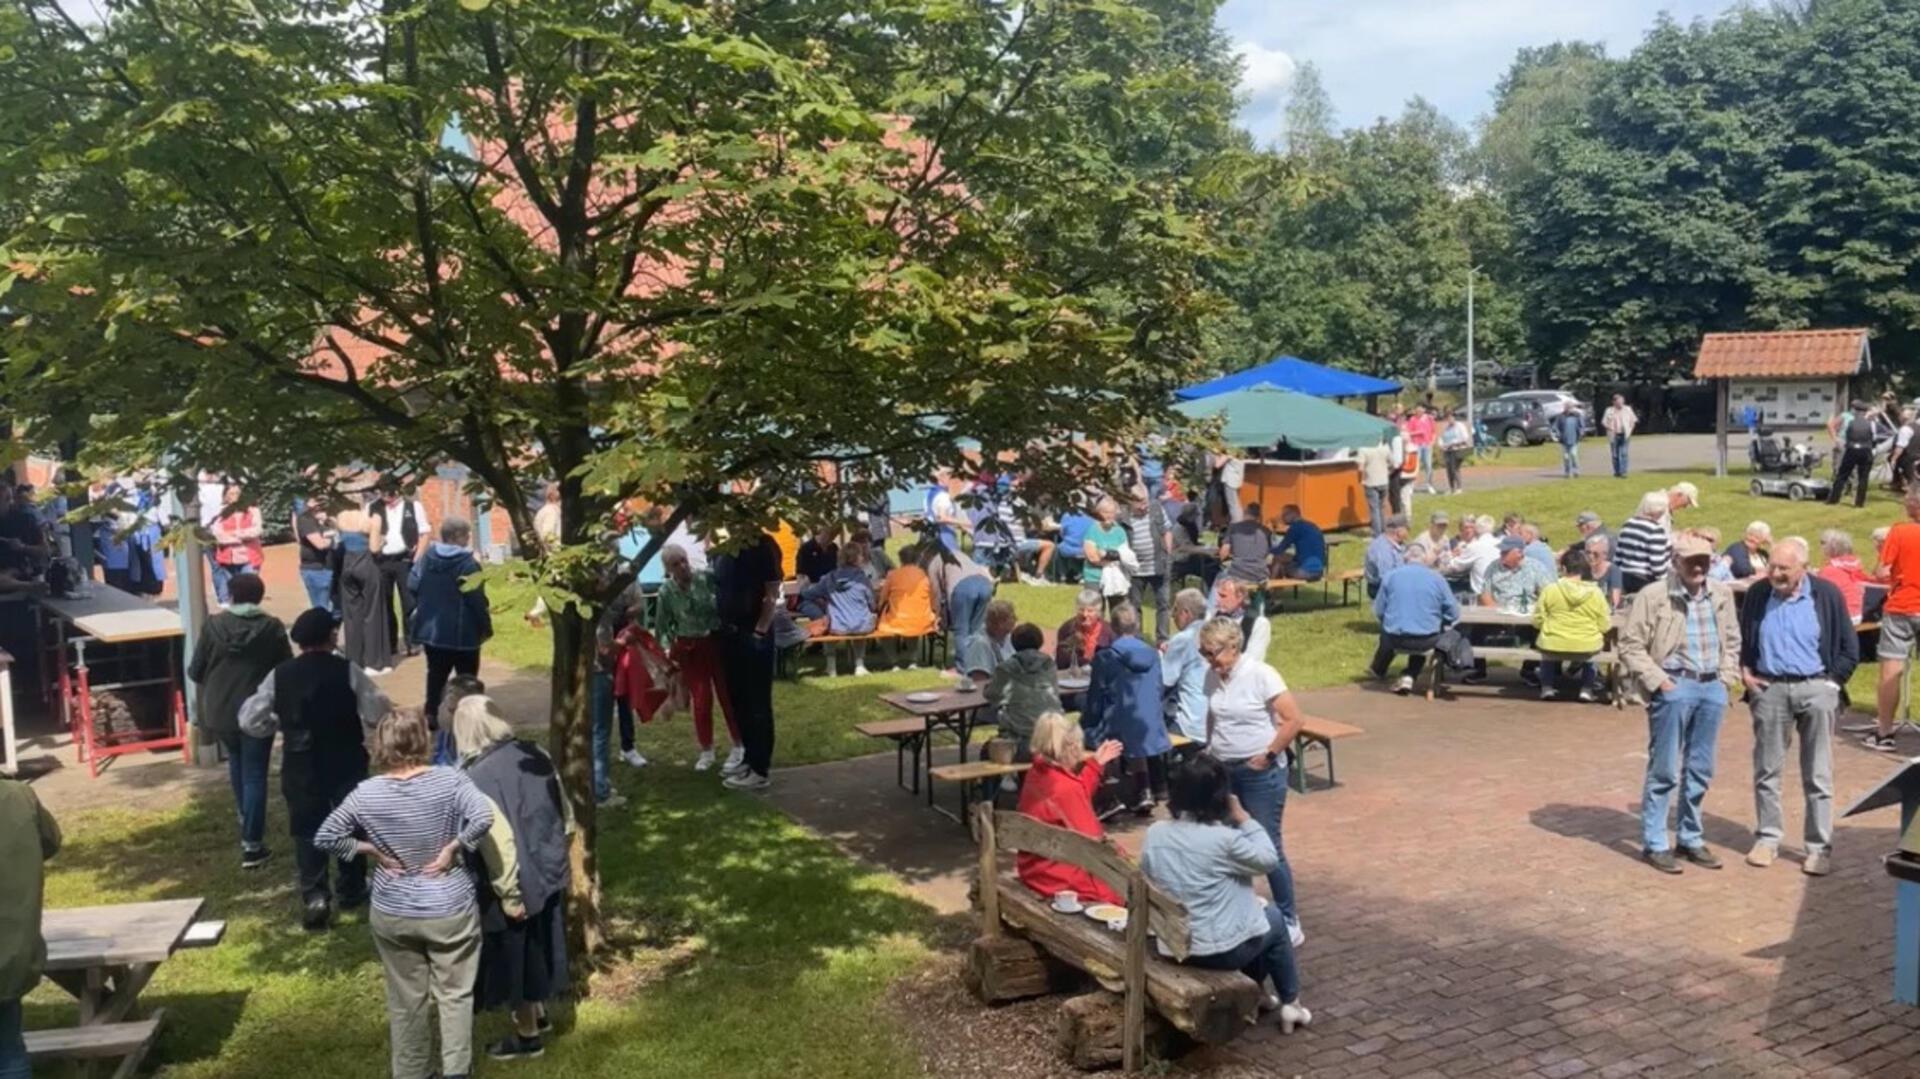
[523,934]
[323,705]
[1798,647]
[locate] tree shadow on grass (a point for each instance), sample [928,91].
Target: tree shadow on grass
[193,1029]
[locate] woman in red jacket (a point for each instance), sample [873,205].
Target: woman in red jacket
[1059,791]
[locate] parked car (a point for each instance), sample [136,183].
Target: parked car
[1513,422]
[1552,403]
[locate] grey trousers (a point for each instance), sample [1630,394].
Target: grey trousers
[429,961]
[1781,712]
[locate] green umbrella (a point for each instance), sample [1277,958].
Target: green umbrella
[1263,415]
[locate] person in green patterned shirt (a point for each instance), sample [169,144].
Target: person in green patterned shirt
[684,618]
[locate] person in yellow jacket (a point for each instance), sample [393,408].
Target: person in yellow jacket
[1573,617]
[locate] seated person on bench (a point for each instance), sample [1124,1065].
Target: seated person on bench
[1414,606]
[1079,637]
[1572,616]
[1022,688]
[842,604]
[1059,791]
[906,599]
[1206,857]
[1302,552]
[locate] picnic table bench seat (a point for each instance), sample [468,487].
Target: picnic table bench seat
[1607,660]
[927,643]
[1319,734]
[127,1042]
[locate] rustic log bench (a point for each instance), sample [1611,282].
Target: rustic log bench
[1026,948]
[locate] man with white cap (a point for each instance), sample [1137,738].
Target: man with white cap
[1681,643]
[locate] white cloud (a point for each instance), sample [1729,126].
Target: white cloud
[1267,74]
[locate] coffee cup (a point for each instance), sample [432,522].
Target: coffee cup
[1066,902]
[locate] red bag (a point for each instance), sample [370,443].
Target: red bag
[641,674]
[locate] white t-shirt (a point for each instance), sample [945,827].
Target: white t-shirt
[1242,723]
[1901,437]
[1479,557]
[1376,465]
[213,497]
[395,539]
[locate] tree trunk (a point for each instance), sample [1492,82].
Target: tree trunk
[570,741]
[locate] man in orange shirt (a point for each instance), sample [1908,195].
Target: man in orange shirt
[1900,619]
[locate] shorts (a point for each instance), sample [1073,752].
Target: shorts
[1896,635]
[1028,546]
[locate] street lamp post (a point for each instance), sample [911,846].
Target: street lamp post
[1472,424]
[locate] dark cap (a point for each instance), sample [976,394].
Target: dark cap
[313,628]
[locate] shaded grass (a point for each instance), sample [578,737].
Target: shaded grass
[749,948]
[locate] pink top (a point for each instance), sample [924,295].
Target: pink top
[1419,430]
[1844,572]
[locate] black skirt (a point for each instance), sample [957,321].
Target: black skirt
[368,640]
[525,962]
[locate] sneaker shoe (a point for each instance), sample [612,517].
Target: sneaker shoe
[1762,855]
[545,1026]
[1295,934]
[514,1047]
[1818,864]
[315,915]
[1860,728]
[1548,693]
[735,756]
[1662,860]
[1880,743]
[633,757]
[1269,1002]
[1531,678]
[1588,696]
[1701,857]
[254,858]
[704,762]
[860,670]
[1404,686]
[1292,1016]
[613,801]
[749,780]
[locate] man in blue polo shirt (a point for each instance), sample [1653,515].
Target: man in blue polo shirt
[1302,550]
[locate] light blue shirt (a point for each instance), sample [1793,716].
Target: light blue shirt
[1414,601]
[1210,868]
[1790,634]
[1383,557]
[654,572]
[1184,671]
[1543,554]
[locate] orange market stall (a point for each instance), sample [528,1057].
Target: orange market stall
[1270,423]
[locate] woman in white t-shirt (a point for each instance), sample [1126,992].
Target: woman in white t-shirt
[1251,721]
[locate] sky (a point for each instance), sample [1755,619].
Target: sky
[1374,55]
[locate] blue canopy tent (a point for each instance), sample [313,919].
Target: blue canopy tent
[1296,374]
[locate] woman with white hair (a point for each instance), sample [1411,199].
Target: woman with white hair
[1086,633]
[1105,540]
[1747,556]
[1644,548]
[523,934]
[1843,570]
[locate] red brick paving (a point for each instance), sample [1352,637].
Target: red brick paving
[1475,905]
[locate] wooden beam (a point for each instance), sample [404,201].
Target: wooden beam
[989,872]
[1133,1045]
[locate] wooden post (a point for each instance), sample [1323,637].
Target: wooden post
[1134,1034]
[989,872]
[1720,426]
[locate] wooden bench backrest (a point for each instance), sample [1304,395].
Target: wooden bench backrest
[1166,916]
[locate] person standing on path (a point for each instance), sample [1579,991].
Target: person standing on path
[236,650]
[1644,547]
[1420,432]
[1566,428]
[1618,422]
[403,528]
[1797,648]
[313,530]
[1899,618]
[746,592]
[684,621]
[1456,441]
[1376,472]
[450,620]
[1855,437]
[323,706]
[1681,643]
[28,837]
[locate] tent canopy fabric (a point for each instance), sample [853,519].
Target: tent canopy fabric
[1263,415]
[1296,374]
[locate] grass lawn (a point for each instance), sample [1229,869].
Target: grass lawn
[754,949]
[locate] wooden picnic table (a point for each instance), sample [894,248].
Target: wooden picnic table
[947,709]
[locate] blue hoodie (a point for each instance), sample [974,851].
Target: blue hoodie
[1123,699]
[444,616]
[848,595]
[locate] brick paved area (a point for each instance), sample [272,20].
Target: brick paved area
[1474,906]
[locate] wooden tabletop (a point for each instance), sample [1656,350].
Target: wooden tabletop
[1493,616]
[949,700]
[81,938]
[115,617]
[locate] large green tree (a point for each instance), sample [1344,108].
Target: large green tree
[690,252]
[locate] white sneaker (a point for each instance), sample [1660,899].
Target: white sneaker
[633,757]
[860,670]
[733,768]
[1294,933]
[613,801]
[748,781]
[704,762]
[1294,1015]
[1404,686]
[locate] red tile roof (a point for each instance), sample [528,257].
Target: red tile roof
[1782,354]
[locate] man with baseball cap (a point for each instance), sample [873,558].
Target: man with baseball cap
[1681,643]
[323,706]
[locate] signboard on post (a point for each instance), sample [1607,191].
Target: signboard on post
[1902,788]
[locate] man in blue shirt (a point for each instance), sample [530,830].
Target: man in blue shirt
[1414,606]
[1797,648]
[1302,550]
[1566,428]
[1384,553]
[1073,536]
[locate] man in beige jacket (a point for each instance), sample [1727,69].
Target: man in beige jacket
[1681,645]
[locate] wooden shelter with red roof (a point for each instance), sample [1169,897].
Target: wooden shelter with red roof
[1792,378]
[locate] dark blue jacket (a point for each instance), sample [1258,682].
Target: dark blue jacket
[1123,700]
[1839,641]
[443,615]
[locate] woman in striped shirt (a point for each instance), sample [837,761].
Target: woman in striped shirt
[416,820]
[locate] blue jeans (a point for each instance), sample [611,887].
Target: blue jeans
[220,575]
[1263,794]
[1570,459]
[602,704]
[1618,444]
[1587,673]
[247,760]
[13,1044]
[967,610]
[1683,727]
[319,583]
[1262,958]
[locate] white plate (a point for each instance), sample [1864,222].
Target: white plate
[1075,683]
[923,697]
